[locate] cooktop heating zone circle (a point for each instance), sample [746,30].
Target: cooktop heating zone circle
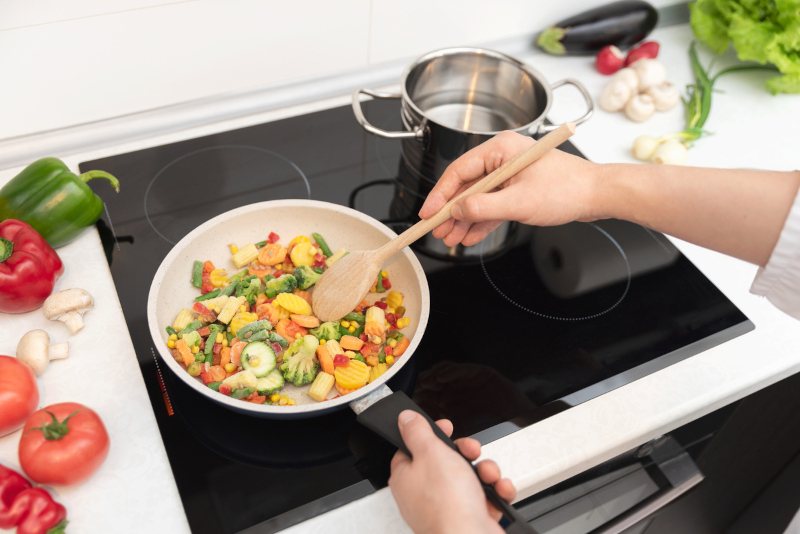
[563,318]
[181,198]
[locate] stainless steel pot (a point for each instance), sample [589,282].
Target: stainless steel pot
[457,98]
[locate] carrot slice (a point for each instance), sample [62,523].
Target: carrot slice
[225,356]
[401,346]
[305,295]
[351,343]
[325,359]
[236,353]
[308,321]
[217,372]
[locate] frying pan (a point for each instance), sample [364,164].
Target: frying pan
[377,407]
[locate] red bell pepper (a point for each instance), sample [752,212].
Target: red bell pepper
[31,510]
[207,286]
[29,267]
[11,485]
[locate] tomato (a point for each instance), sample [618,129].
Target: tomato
[19,394]
[78,444]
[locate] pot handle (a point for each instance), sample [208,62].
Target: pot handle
[544,128]
[362,120]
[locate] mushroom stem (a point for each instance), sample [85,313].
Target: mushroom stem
[59,351]
[73,320]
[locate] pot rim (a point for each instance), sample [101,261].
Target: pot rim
[526,129]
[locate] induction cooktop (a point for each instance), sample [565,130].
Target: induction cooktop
[521,328]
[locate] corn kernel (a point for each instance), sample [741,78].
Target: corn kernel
[375,339]
[224,342]
[351,329]
[218,339]
[283,401]
[345,324]
[322,341]
[195,350]
[393,343]
[211,306]
[234,248]
[174,337]
[390,310]
[171,343]
[298,335]
[291,402]
[384,274]
[241,308]
[275,397]
[390,359]
[279,266]
[350,354]
[230,367]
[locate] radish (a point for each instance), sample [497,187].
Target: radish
[609,60]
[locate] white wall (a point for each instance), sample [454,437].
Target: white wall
[67,62]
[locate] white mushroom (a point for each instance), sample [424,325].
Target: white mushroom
[665,95]
[671,152]
[650,71]
[68,306]
[640,108]
[644,147]
[629,77]
[35,350]
[614,96]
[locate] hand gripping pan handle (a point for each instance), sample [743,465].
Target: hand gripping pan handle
[381,417]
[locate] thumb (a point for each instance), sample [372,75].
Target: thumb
[481,207]
[417,433]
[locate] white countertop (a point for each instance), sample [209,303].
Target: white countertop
[102,372]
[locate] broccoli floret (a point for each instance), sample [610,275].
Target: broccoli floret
[327,331]
[285,284]
[299,366]
[249,290]
[306,276]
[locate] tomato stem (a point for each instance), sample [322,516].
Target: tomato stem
[56,429]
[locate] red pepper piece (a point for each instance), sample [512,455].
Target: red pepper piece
[381,305]
[35,512]
[217,348]
[364,338]
[204,331]
[29,268]
[387,284]
[225,390]
[207,286]
[202,345]
[365,350]
[204,313]
[387,350]
[273,237]
[11,485]
[340,360]
[390,318]
[206,377]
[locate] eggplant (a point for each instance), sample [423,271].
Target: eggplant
[621,24]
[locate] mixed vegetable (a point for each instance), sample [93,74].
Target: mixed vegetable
[248,335]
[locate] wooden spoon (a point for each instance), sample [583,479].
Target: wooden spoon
[347,282]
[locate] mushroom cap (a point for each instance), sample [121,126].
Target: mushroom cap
[640,107]
[33,350]
[614,96]
[66,301]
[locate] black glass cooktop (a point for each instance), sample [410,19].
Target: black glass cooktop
[521,327]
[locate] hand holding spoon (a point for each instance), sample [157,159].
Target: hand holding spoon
[345,284]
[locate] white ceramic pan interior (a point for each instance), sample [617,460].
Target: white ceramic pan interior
[340,226]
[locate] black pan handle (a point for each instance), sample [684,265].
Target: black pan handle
[381,418]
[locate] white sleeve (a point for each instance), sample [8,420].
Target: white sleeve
[779,281]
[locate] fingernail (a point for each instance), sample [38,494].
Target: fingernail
[456,212]
[406,417]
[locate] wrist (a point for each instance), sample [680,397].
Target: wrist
[613,194]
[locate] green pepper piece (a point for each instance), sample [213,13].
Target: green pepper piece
[229,336]
[242,393]
[323,246]
[319,270]
[53,200]
[379,286]
[215,385]
[171,331]
[261,244]
[382,356]
[271,293]
[197,274]
[208,296]
[358,332]
[359,357]
[344,331]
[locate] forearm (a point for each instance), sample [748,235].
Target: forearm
[736,212]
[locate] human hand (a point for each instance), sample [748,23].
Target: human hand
[556,189]
[437,491]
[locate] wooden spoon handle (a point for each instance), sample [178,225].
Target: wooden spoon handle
[491,181]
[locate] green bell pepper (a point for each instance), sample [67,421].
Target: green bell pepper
[53,200]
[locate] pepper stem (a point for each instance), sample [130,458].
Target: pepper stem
[56,429]
[59,528]
[85,177]
[6,249]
